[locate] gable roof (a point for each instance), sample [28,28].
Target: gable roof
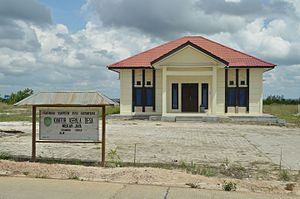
[230,57]
[76,98]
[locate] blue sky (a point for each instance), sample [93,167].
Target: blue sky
[66,12]
[67,44]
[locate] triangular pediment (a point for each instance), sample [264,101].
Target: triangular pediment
[188,56]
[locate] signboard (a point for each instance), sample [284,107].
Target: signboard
[67,124]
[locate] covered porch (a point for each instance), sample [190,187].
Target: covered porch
[189,91]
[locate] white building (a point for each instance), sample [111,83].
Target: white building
[191,76]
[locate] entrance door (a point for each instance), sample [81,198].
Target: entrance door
[189,95]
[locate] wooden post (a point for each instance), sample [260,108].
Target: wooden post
[103,137]
[33,155]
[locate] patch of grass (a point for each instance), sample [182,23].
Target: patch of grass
[229,186]
[10,113]
[112,110]
[4,106]
[5,155]
[293,119]
[200,170]
[284,111]
[114,159]
[234,170]
[109,110]
[207,172]
[15,118]
[284,175]
[183,164]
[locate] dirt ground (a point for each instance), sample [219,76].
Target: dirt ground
[131,175]
[255,148]
[163,142]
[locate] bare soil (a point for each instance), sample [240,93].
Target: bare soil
[145,175]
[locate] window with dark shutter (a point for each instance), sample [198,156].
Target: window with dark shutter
[243,97]
[231,97]
[138,97]
[174,96]
[149,97]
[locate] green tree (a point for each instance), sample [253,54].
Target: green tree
[279,99]
[18,96]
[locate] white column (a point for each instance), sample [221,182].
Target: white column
[214,91]
[164,90]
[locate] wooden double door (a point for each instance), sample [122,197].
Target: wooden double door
[189,97]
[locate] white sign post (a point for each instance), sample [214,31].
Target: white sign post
[69,124]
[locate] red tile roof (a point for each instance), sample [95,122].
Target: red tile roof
[226,55]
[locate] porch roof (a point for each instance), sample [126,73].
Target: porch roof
[75,98]
[230,57]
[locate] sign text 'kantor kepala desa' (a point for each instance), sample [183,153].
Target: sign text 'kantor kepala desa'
[67,124]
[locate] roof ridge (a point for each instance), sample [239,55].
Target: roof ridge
[235,50]
[146,51]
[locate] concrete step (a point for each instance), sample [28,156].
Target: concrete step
[259,119]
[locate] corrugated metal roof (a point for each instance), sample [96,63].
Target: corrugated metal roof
[75,98]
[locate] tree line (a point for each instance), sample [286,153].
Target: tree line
[279,99]
[17,96]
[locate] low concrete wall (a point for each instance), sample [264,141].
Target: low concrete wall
[263,119]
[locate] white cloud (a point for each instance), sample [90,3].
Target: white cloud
[234,1]
[38,54]
[69,61]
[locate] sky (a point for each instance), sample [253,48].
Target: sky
[50,45]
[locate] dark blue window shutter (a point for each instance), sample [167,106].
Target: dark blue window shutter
[149,97]
[231,97]
[138,97]
[174,96]
[243,97]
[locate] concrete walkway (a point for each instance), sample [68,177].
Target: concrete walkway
[30,188]
[167,142]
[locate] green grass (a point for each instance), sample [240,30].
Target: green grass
[284,175]
[10,113]
[283,111]
[112,110]
[5,155]
[229,186]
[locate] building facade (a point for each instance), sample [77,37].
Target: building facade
[191,76]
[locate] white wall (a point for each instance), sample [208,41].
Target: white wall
[158,91]
[125,91]
[220,110]
[256,91]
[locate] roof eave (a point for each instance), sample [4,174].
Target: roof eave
[128,67]
[233,66]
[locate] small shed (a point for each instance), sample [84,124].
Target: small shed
[66,99]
